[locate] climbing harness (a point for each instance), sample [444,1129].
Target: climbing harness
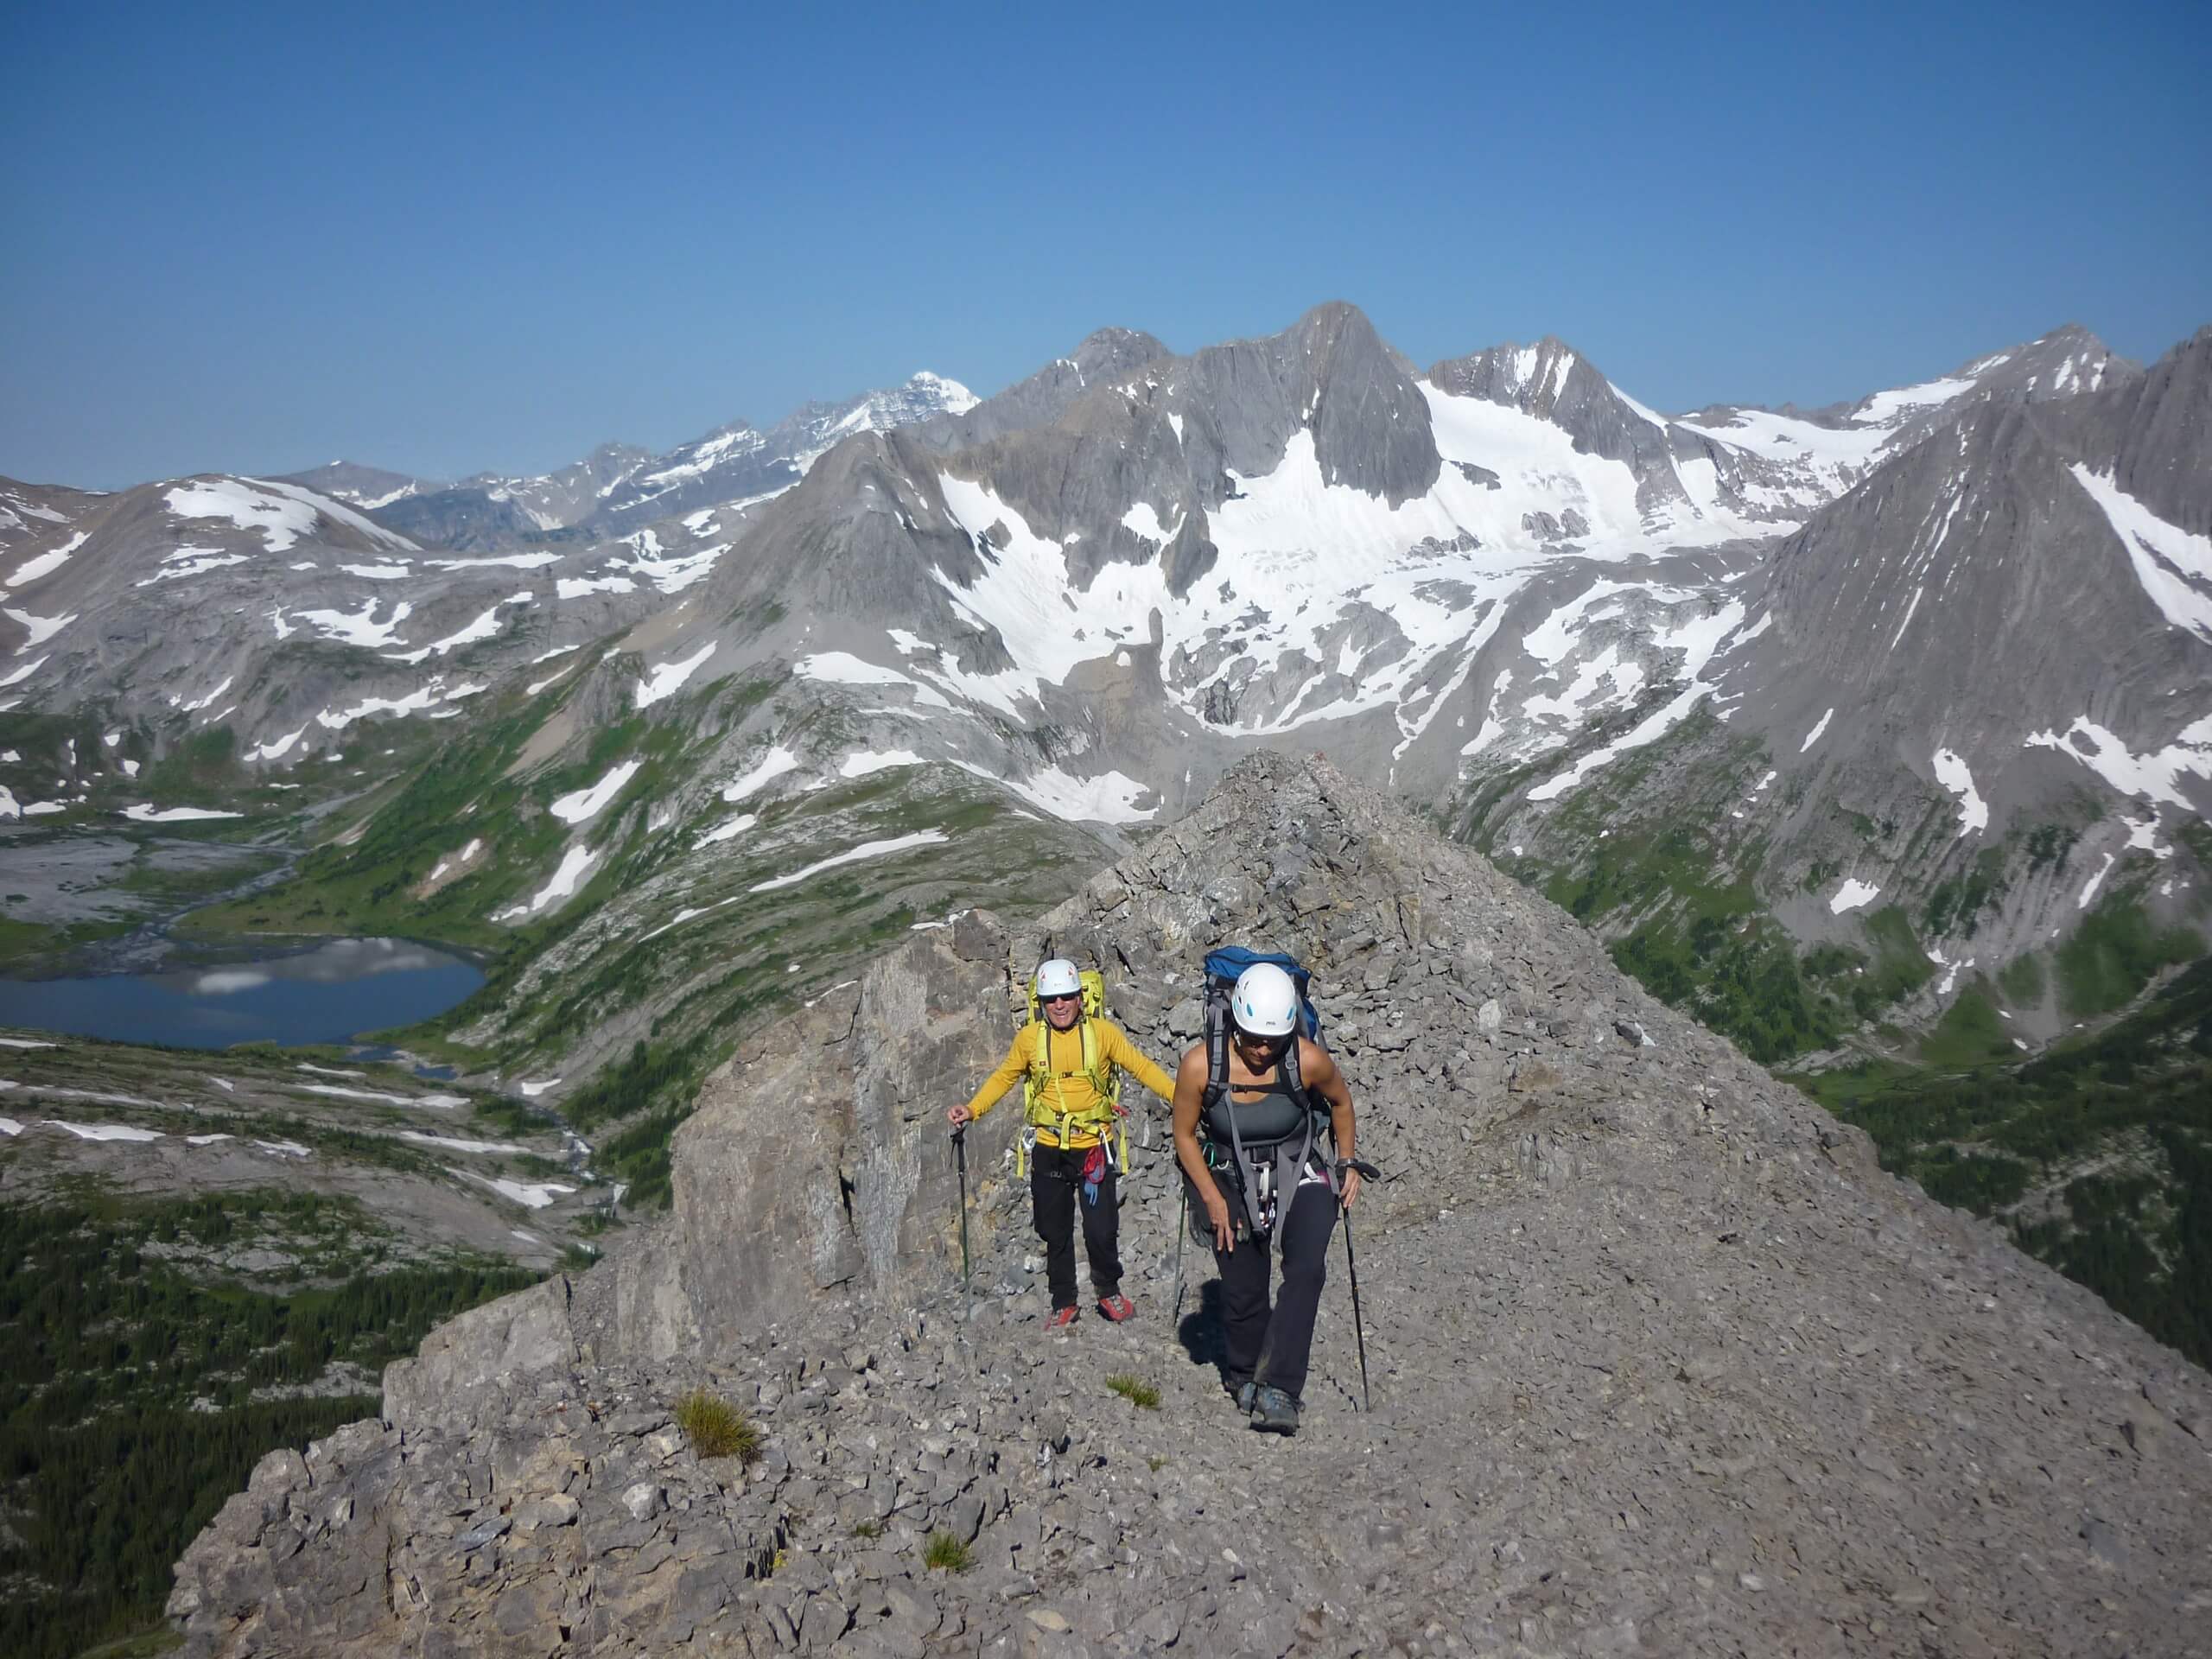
[1043,1090]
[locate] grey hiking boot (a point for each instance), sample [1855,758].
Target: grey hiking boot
[1275,1411]
[1243,1394]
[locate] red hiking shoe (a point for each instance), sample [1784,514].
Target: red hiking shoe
[1116,1307]
[1060,1318]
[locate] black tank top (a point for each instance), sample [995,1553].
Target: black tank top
[1278,1113]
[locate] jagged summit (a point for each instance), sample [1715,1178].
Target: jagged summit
[360,486]
[1662,1362]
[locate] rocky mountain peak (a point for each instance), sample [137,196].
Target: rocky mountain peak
[1333,322]
[2155,426]
[1328,387]
[1103,351]
[358,485]
[1532,378]
[1101,357]
[1622,1290]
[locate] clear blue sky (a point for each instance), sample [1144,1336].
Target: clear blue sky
[457,238]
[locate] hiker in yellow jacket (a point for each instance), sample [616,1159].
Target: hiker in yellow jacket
[1069,1060]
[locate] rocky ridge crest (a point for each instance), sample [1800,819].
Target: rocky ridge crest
[1661,1361]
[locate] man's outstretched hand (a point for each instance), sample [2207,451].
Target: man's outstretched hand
[959,1117]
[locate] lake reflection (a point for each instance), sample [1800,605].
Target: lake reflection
[328,993]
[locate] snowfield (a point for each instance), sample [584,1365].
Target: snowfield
[585,803]
[1853,894]
[2174,565]
[1952,772]
[668,679]
[777,761]
[867,849]
[575,864]
[281,513]
[147,813]
[2156,774]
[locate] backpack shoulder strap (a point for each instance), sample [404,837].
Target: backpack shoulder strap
[1216,1030]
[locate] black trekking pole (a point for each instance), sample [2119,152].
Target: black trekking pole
[1182,1226]
[960,1157]
[1367,1172]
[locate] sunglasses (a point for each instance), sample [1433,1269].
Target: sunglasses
[1062,997]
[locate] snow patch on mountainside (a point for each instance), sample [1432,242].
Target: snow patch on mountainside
[1700,641]
[668,678]
[486,627]
[1021,592]
[359,628]
[1951,772]
[1143,521]
[2156,774]
[1886,408]
[865,762]
[40,628]
[867,849]
[585,803]
[777,761]
[1827,460]
[281,513]
[45,563]
[575,865]
[2173,564]
[1853,894]
[1110,797]
[147,813]
[842,667]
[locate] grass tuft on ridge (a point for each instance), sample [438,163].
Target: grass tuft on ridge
[716,1428]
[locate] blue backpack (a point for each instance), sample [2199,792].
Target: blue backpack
[1225,966]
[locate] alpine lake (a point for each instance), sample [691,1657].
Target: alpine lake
[324,991]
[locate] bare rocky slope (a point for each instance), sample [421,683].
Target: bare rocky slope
[1661,1361]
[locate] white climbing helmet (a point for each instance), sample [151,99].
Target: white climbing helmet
[1057,978]
[1265,1002]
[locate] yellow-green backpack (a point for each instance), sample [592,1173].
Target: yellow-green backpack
[1040,1087]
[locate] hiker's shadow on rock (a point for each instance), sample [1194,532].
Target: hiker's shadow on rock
[1203,1337]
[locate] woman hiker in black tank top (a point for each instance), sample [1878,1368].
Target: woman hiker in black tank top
[1268,1348]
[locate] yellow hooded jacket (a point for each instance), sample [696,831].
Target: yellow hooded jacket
[1069,1091]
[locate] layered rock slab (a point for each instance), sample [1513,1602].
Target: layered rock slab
[1660,1360]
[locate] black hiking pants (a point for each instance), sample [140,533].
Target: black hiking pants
[1056,1196]
[1272,1348]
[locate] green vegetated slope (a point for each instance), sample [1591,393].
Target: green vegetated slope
[2097,1155]
[171,1312]
[1652,852]
[340,1115]
[136,1393]
[748,950]
[58,896]
[696,919]
[131,1412]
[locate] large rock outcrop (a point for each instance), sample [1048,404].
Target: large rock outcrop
[1661,1361]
